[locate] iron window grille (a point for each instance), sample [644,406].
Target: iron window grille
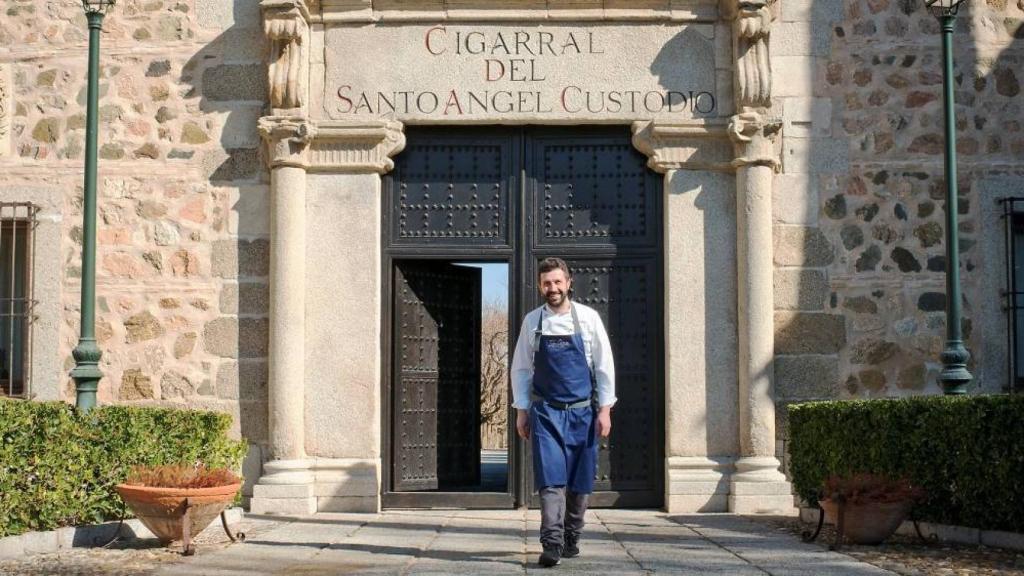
[1013,216]
[17,306]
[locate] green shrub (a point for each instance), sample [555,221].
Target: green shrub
[966,452]
[58,467]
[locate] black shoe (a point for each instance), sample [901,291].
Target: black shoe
[551,556]
[572,548]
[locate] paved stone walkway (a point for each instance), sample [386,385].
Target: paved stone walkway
[450,542]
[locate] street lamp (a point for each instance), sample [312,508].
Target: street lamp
[87,354]
[954,377]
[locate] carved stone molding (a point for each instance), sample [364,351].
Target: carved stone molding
[288,472]
[434,11]
[693,145]
[286,24]
[752,23]
[288,139]
[6,102]
[707,475]
[357,147]
[756,138]
[697,483]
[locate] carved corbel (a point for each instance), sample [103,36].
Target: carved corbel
[756,139]
[288,140]
[752,23]
[687,145]
[363,147]
[286,23]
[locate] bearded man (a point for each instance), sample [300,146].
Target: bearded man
[563,387]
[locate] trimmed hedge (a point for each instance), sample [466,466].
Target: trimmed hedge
[58,467]
[966,452]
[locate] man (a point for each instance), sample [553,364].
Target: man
[563,387]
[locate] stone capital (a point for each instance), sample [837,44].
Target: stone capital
[287,140]
[686,145]
[756,140]
[357,147]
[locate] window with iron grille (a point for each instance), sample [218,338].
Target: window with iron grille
[17,227]
[1013,215]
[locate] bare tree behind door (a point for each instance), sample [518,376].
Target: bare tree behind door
[494,377]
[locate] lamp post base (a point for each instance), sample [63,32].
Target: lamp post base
[86,373]
[955,377]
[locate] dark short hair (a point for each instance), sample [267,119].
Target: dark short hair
[549,264]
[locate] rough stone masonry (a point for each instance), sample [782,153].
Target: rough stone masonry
[183,249]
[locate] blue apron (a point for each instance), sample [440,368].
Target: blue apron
[563,435]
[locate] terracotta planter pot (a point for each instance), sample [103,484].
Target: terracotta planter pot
[162,510]
[869,523]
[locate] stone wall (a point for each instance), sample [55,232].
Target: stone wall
[182,257]
[859,241]
[183,214]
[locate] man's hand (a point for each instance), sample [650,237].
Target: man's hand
[523,423]
[604,421]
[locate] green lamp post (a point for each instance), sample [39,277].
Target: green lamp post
[87,354]
[954,377]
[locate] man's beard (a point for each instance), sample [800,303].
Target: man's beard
[556,298]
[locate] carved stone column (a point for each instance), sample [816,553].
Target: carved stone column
[757,486]
[286,486]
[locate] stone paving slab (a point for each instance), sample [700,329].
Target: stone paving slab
[499,542]
[774,553]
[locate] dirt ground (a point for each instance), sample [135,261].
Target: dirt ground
[912,557]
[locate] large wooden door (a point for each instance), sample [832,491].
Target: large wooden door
[592,201]
[437,393]
[519,195]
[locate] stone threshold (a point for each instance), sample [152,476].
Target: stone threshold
[945,533]
[48,542]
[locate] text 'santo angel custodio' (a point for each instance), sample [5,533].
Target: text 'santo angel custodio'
[517,56]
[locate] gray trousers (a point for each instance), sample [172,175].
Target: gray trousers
[561,513]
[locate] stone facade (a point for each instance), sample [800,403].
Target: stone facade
[859,228]
[861,266]
[827,117]
[182,244]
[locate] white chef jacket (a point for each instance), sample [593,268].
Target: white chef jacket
[595,344]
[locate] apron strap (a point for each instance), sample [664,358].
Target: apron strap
[593,377]
[575,321]
[539,331]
